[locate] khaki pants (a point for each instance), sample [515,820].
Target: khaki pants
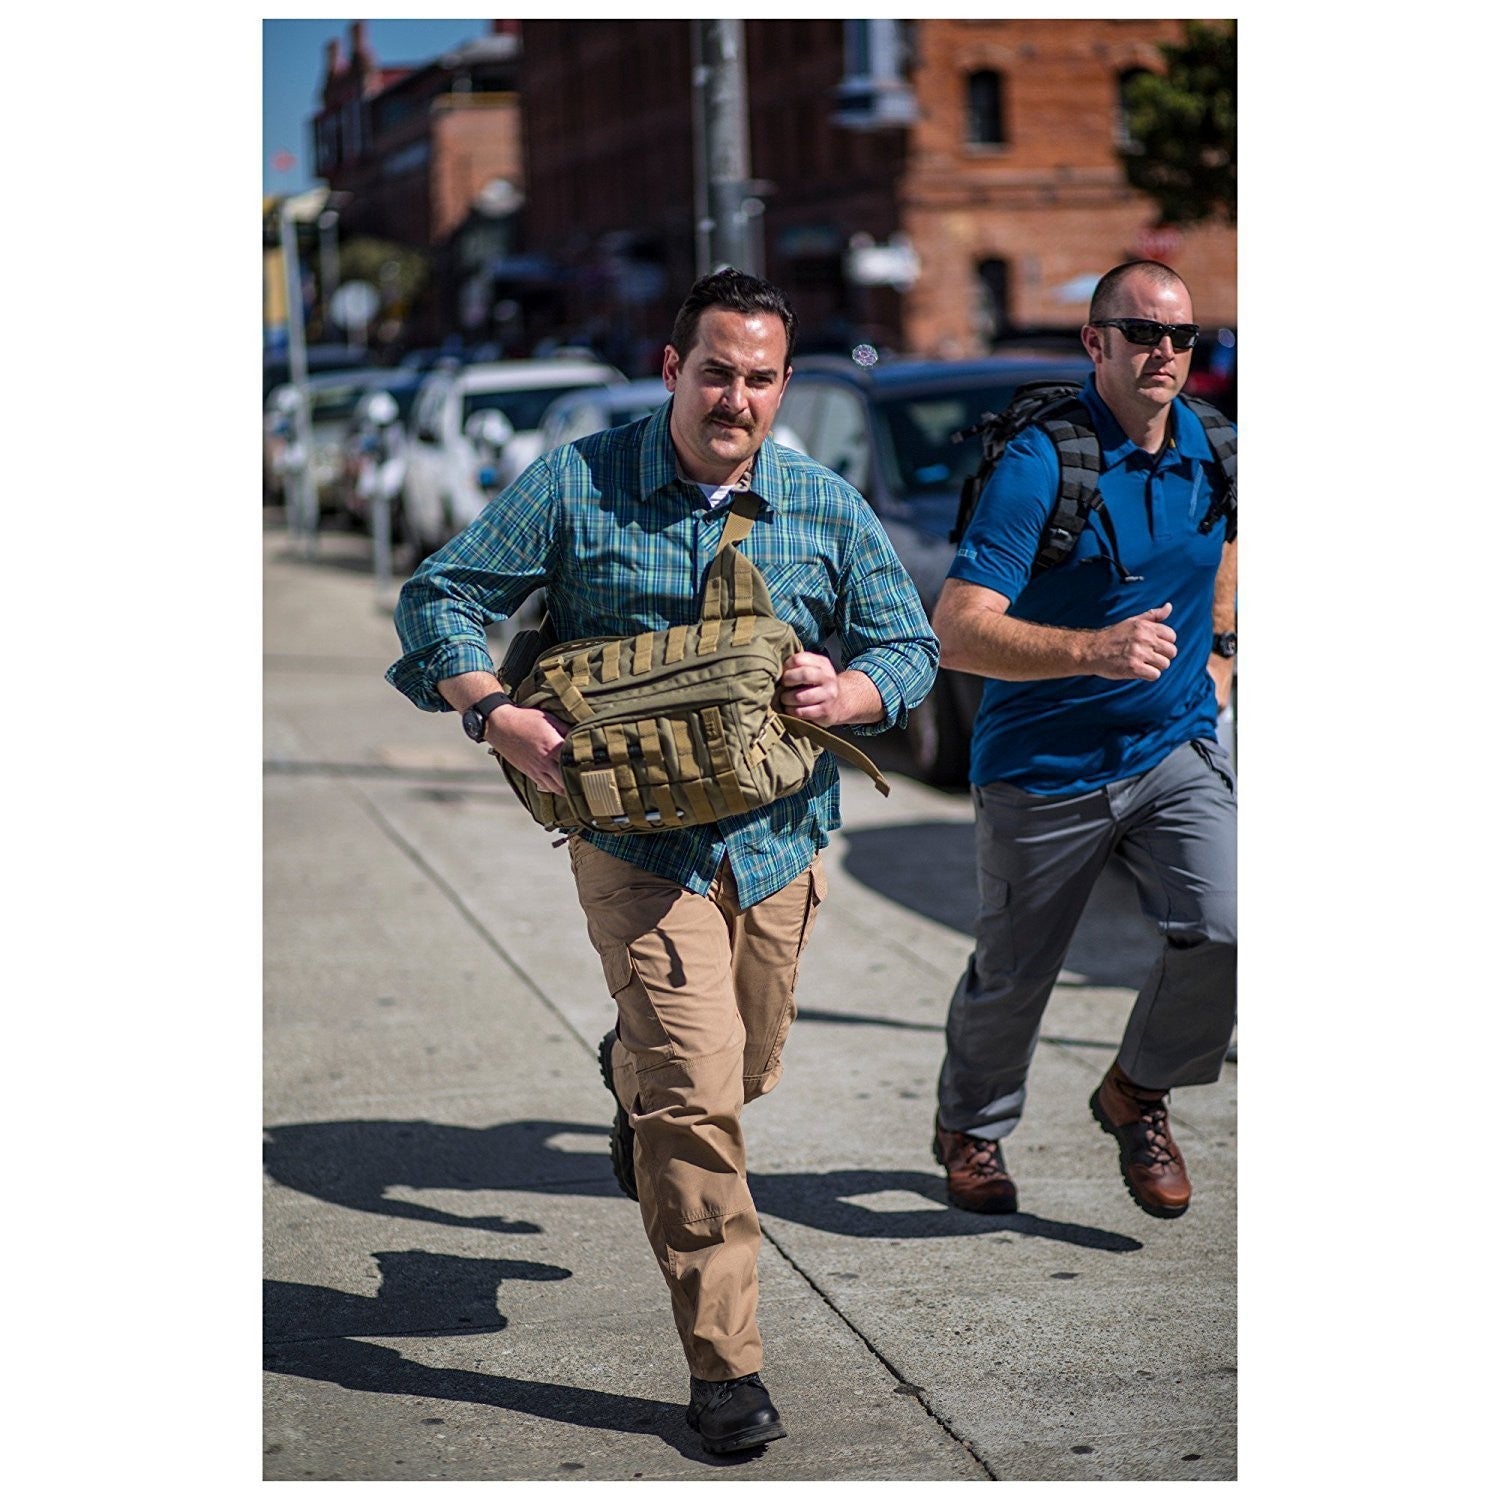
[704,992]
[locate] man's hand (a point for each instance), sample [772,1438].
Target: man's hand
[531,740]
[1140,647]
[810,688]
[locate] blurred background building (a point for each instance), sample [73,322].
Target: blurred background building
[932,187]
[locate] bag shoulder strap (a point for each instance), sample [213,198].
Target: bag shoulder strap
[837,746]
[1224,440]
[1072,434]
[737,587]
[734,586]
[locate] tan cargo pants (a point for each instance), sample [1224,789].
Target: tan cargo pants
[705,999]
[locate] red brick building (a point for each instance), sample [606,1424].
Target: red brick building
[427,155]
[980,155]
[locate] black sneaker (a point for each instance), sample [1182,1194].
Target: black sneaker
[621,1136]
[731,1415]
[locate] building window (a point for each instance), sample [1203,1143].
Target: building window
[873,93]
[1123,137]
[992,315]
[985,115]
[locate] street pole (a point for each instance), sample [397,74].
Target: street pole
[302,511]
[724,147]
[328,260]
[702,223]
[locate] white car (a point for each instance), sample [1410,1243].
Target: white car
[332,397]
[473,430]
[579,413]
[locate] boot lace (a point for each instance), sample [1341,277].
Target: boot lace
[1157,1138]
[982,1157]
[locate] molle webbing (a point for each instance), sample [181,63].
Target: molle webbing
[674,728]
[1078,488]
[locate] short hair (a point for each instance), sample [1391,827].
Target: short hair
[735,291]
[1105,293]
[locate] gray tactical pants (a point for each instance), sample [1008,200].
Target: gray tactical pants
[1038,859]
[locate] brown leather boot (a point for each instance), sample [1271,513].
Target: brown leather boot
[1150,1162]
[977,1179]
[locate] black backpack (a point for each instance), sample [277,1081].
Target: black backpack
[1056,407]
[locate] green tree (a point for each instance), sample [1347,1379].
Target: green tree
[398,273]
[1182,127]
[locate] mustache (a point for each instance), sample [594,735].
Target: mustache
[715,420]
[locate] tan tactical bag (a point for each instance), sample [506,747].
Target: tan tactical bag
[677,727]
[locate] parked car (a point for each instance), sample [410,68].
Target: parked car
[476,418]
[333,397]
[888,430]
[374,446]
[1214,374]
[581,412]
[322,359]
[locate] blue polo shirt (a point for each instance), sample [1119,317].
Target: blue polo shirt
[1074,734]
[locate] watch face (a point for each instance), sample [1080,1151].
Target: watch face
[1226,644]
[473,725]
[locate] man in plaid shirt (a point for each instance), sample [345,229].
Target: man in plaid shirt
[699,930]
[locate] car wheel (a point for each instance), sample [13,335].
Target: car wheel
[937,737]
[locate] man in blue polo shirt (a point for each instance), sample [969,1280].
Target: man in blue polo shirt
[1096,736]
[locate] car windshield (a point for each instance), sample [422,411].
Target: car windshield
[335,403]
[916,432]
[405,397]
[523,408]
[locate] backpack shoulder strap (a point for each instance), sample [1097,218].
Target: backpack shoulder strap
[1224,441]
[1077,444]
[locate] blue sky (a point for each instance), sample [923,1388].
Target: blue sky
[292,70]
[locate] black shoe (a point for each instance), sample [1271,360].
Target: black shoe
[730,1415]
[621,1136]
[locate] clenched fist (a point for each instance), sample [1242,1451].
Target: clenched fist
[1140,647]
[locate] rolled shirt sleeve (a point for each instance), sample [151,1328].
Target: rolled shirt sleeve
[482,576]
[883,627]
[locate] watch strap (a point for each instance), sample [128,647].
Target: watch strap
[479,711]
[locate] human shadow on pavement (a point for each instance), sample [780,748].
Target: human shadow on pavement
[318,1333]
[359,1164]
[929,869]
[820,1200]
[358,1366]
[419,1292]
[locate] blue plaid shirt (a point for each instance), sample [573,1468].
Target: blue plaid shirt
[621,543]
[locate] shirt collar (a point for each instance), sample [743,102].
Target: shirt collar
[765,478]
[1186,435]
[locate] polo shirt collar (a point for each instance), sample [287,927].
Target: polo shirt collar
[766,477]
[1187,435]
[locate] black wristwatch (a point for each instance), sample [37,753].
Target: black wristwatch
[477,713]
[1225,644]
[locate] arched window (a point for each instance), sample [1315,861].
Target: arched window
[985,108]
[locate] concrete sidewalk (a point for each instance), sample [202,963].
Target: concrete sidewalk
[456,1289]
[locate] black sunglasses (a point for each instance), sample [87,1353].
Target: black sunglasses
[1144,331]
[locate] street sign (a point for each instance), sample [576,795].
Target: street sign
[894,264]
[1160,243]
